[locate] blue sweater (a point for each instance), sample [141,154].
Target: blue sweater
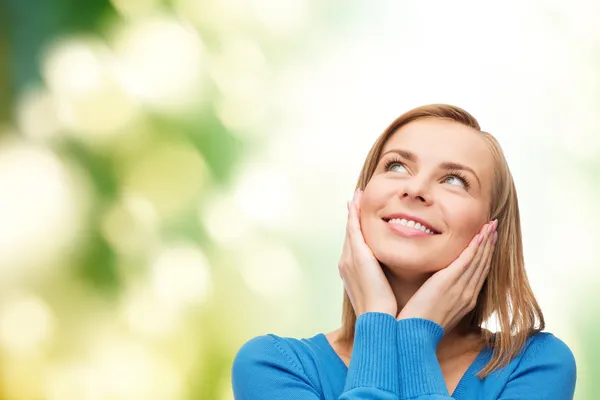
[394,359]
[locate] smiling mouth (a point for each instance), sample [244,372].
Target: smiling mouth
[412,224]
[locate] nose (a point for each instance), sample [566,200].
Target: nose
[415,189]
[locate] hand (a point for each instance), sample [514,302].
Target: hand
[449,294]
[364,280]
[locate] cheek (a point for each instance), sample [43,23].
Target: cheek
[375,195]
[374,199]
[465,221]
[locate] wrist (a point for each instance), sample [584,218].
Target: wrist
[417,341]
[423,331]
[378,309]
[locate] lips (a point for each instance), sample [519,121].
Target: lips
[412,222]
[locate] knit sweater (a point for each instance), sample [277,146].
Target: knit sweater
[394,359]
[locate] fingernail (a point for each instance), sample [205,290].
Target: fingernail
[479,239]
[489,228]
[495,239]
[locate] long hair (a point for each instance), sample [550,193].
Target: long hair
[506,293]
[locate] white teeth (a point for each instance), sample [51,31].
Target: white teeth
[411,224]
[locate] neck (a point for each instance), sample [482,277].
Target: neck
[404,287]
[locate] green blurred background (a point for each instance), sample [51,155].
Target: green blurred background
[173,174]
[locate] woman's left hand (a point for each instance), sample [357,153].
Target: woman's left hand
[449,294]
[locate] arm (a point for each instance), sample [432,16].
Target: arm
[373,369]
[263,370]
[420,373]
[547,371]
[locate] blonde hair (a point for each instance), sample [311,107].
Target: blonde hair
[506,292]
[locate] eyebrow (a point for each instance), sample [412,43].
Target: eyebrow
[447,165]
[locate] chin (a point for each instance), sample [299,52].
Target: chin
[408,263]
[409,256]
[405,256]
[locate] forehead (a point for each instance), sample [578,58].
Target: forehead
[434,140]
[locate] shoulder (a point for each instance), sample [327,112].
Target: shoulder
[546,366]
[546,349]
[274,357]
[267,350]
[270,366]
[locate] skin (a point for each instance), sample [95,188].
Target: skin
[436,277]
[421,189]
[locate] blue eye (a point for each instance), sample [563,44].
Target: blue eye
[457,177]
[453,180]
[398,165]
[394,162]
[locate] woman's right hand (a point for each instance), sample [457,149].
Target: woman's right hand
[364,280]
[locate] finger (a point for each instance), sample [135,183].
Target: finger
[463,261]
[354,237]
[358,199]
[346,256]
[349,204]
[355,233]
[475,265]
[347,226]
[482,263]
[488,265]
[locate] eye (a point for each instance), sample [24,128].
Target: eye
[395,163]
[458,179]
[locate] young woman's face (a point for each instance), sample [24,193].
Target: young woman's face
[436,173]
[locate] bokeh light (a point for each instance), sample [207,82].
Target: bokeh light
[276,279]
[161,62]
[173,174]
[83,77]
[180,277]
[26,323]
[263,194]
[40,199]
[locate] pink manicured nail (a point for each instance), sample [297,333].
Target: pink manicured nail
[479,239]
[495,239]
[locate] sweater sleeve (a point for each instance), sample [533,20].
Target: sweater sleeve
[373,369]
[264,370]
[547,371]
[420,374]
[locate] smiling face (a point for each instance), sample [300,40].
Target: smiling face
[433,172]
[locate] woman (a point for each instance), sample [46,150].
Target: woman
[433,250]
